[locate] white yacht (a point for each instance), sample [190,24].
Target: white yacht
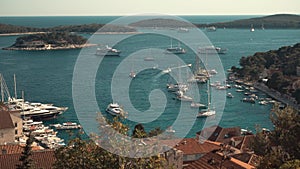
[36,111]
[107,51]
[115,109]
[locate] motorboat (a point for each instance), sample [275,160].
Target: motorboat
[107,51]
[212,50]
[180,96]
[229,95]
[115,109]
[197,105]
[177,87]
[211,29]
[67,126]
[132,74]
[206,113]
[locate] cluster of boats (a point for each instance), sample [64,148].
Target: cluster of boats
[251,95]
[109,51]
[43,135]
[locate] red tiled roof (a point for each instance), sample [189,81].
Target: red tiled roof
[11,149]
[191,146]
[43,159]
[5,120]
[214,160]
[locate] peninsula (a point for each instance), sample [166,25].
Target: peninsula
[276,72]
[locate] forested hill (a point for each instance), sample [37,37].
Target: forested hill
[282,21]
[280,67]
[86,28]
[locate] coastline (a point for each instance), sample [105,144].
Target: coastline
[72,46]
[272,93]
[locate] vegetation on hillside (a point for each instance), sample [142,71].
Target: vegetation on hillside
[86,28]
[87,154]
[282,21]
[55,38]
[280,148]
[278,66]
[162,22]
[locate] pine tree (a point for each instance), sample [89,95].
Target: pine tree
[25,159]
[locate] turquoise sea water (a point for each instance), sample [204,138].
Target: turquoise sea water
[46,76]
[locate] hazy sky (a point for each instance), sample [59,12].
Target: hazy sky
[129,7]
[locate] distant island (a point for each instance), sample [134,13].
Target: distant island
[277,71]
[49,41]
[59,37]
[279,21]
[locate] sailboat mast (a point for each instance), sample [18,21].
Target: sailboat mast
[2,86]
[208,82]
[15,85]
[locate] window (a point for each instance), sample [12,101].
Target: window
[16,132]
[16,124]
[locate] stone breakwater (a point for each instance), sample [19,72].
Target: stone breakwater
[48,47]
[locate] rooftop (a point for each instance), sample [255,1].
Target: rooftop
[41,159]
[5,120]
[213,160]
[191,145]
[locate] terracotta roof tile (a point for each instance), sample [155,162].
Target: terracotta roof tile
[43,159]
[11,149]
[191,146]
[213,160]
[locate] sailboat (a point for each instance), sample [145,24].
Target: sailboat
[252,28]
[175,50]
[208,112]
[132,73]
